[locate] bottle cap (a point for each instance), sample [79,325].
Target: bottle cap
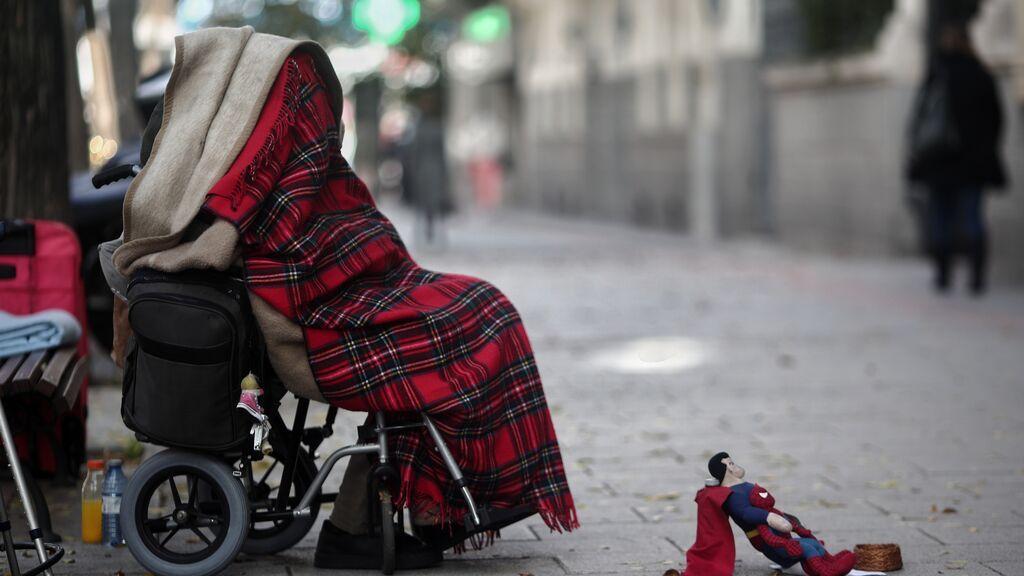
[113,463]
[94,465]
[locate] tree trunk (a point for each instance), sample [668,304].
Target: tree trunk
[33,119]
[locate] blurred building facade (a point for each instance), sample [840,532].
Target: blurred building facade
[713,117]
[617,96]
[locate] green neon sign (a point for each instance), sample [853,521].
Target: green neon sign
[487,24]
[385,21]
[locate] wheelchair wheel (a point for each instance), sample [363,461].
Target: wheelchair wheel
[273,536]
[184,514]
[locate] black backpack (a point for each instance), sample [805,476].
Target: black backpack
[934,137]
[194,341]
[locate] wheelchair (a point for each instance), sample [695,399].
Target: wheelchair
[187,512]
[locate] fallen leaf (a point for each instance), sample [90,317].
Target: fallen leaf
[662,497]
[956,564]
[672,572]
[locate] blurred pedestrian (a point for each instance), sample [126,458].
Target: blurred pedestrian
[425,167]
[955,132]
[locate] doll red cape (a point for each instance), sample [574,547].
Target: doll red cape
[714,551]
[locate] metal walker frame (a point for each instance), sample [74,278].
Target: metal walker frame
[48,554]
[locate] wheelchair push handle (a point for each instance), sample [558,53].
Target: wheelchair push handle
[113,174]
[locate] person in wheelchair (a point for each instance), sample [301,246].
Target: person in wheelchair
[246,170]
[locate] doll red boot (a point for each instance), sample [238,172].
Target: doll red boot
[839,565]
[809,568]
[842,555]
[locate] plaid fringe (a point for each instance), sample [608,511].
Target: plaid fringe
[282,125]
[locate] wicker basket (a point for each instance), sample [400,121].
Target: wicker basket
[878,557]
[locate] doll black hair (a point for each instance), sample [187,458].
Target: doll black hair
[716,466]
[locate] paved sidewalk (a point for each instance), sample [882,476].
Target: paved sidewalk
[873,409]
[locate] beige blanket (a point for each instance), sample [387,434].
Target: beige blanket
[220,80]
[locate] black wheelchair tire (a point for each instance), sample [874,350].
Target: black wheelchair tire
[234,497]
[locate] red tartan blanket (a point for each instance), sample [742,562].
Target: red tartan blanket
[383,334]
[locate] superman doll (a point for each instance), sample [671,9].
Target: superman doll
[777,535]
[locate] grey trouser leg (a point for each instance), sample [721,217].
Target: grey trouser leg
[350,507]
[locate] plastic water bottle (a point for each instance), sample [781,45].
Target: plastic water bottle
[113,489]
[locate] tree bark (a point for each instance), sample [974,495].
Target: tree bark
[33,119]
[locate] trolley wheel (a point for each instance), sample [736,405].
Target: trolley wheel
[387,532]
[273,536]
[184,514]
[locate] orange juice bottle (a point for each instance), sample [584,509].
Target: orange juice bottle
[92,503]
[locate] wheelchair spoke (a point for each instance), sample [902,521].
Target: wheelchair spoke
[193,491]
[202,536]
[169,536]
[174,492]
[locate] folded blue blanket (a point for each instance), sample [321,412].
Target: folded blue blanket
[39,331]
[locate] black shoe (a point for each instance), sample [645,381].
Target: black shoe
[337,549]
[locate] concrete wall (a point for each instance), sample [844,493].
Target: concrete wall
[741,183]
[837,180]
[607,170]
